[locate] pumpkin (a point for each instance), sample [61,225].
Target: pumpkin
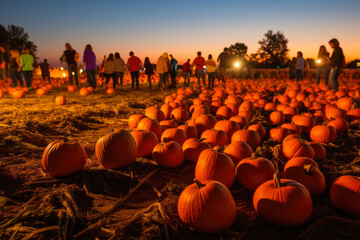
[229,127]
[62,159]
[204,122]
[145,142]
[296,147]
[191,131]
[277,117]
[60,100]
[90,89]
[110,91]
[340,124]
[154,113]
[306,171]
[165,124]
[213,165]
[345,194]
[237,151]
[241,120]
[166,109]
[116,149]
[192,148]
[323,134]
[283,202]
[179,114]
[207,206]
[305,122]
[83,91]
[345,103]
[168,154]
[174,134]
[225,112]
[251,137]
[292,127]
[279,134]
[252,172]
[260,129]
[135,119]
[215,137]
[353,114]
[320,152]
[152,125]
[40,92]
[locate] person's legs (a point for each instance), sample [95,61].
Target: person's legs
[132,80]
[149,80]
[197,73]
[326,74]
[298,75]
[318,74]
[203,76]
[137,80]
[121,79]
[70,74]
[115,81]
[20,78]
[89,77]
[334,74]
[107,77]
[13,78]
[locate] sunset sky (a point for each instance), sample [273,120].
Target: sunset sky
[182,28]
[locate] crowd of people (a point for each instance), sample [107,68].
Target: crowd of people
[20,67]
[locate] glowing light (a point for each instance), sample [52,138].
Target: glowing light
[237,64]
[64,75]
[358,64]
[61,68]
[81,70]
[318,61]
[73,73]
[204,67]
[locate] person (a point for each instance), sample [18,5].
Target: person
[3,62]
[199,63]
[14,68]
[26,63]
[173,71]
[322,64]
[69,56]
[101,68]
[89,63]
[134,64]
[186,72]
[148,70]
[292,68]
[45,70]
[119,69]
[300,63]
[222,60]
[337,62]
[162,67]
[109,70]
[211,71]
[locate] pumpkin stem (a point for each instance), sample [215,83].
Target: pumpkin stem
[111,129]
[253,156]
[201,140]
[220,149]
[277,181]
[308,169]
[200,185]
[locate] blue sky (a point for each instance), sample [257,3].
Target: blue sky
[182,27]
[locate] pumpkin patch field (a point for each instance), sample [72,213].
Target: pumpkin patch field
[250,159]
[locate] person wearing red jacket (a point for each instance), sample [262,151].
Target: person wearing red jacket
[134,64]
[199,63]
[186,72]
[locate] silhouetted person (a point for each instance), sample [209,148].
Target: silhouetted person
[322,64]
[89,62]
[211,71]
[300,64]
[109,70]
[119,69]
[199,63]
[26,62]
[14,68]
[134,64]
[45,70]
[222,59]
[162,67]
[69,57]
[148,70]
[186,72]
[173,71]
[337,62]
[3,62]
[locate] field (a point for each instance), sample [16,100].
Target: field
[139,201]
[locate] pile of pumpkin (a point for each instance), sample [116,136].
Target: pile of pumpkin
[213,131]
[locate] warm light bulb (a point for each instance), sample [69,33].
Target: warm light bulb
[64,75]
[318,61]
[81,70]
[237,64]
[73,73]
[61,68]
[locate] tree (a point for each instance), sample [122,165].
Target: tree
[19,39]
[273,49]
[4,36]
[237,52]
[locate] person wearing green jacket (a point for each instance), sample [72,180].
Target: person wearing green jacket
[26,63]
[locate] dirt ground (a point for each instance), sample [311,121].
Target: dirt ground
[135,202]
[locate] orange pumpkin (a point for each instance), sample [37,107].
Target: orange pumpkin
[174,134]
[135,119]
[60,100]
[145,142]
[152,125]
[168,154]
[237,151]
[323,134]
[192,148]
[215,137]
